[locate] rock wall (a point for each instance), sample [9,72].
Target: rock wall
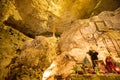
[41,17]
[22,57]
[11,42]
[38,17]
[98,33]
[35,56]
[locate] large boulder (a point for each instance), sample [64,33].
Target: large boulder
[11,42]
[97,33]
[35,56]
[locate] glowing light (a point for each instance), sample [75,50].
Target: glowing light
[117,69]
[49,72]
[46,75]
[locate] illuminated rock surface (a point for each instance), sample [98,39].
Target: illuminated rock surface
[35,56]
[11,42]
[24,58]
[96,33]
[35,17]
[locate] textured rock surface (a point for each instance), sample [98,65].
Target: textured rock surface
[11,42]
[85,35]
[77,37]
[44,17]
[35,17]
[36,55]
[6,9]
[22,57]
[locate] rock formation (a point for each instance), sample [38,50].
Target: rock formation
[35,56]
[28,28]
[39,17]
[11,42]
[101,33]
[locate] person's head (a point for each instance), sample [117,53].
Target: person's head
[91,48]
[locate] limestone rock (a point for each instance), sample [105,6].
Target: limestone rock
[84,35]
[6,9]
[39,17]
[11,42]
[35,56]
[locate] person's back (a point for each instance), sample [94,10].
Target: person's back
[93,54]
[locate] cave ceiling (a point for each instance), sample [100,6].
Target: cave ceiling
[42,17]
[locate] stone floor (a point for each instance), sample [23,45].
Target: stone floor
[95,77]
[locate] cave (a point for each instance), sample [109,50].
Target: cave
[59,39]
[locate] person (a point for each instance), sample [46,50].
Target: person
[93,54]
[111,66]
